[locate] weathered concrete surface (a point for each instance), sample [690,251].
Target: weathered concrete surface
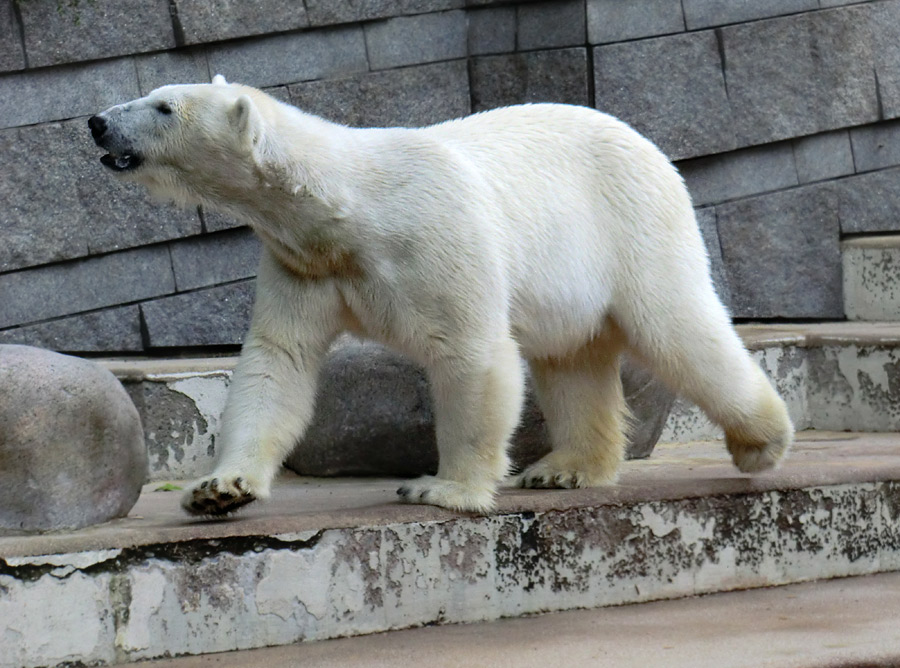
[872,277]
[335,559]
[846,622]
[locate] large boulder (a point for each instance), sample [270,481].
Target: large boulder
[71,445]
[373,417]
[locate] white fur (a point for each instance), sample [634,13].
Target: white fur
[546,232]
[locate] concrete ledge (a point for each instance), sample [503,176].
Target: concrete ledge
[334,559]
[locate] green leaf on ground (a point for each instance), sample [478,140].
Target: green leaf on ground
[168,487]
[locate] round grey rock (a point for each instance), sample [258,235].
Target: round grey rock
[373,416]
[71,445]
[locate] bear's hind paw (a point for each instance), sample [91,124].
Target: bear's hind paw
[548,473]
[447,494]
[217,495]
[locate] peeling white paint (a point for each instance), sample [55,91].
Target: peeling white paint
[78,560]
[52,621]
[148,586]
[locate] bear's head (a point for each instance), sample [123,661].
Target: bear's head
[186,142]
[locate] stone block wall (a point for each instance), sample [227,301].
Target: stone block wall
[783,116]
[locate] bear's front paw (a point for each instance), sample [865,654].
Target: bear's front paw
[447,494]
[217,495]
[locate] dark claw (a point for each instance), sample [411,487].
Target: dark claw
[214,484]
[404,492]
[204,484]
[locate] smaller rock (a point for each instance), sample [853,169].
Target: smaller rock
[71,444]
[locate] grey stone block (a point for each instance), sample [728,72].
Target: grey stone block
[670,89]
[213,221]
[281,59]
[750,171]
[707,13]
[550,25]
[373,416]
[110,330]
[876,146]
[414,40]
[280,93]
[824,156]
[65,204]
[33,97]
[71,442]
[12,55]
[410,96]
[539,76]
[870,202]
[325,12]
[800,75]
[707,222]
[217,316]
[492,30]
[885,26]
[782,254]
[172,67]
[215,20]
[615,21]
[215,258]
[66,32]
[84,285]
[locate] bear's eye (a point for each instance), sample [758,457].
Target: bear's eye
[164,108]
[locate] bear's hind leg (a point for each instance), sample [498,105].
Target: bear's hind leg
[477,408]
[583,403]
[689,341]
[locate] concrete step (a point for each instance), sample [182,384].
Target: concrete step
[846,622]
[871,266]
[332,558]
[834,376]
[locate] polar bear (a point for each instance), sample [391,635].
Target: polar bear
[546,232]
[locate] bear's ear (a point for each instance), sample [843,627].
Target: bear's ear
[219,80]
[246,121]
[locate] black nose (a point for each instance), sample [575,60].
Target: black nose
[97,124]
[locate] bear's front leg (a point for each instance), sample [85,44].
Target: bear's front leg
[270,400]
[476,408]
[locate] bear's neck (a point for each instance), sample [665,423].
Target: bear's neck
[301,203]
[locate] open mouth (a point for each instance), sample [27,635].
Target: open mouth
[121,163]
